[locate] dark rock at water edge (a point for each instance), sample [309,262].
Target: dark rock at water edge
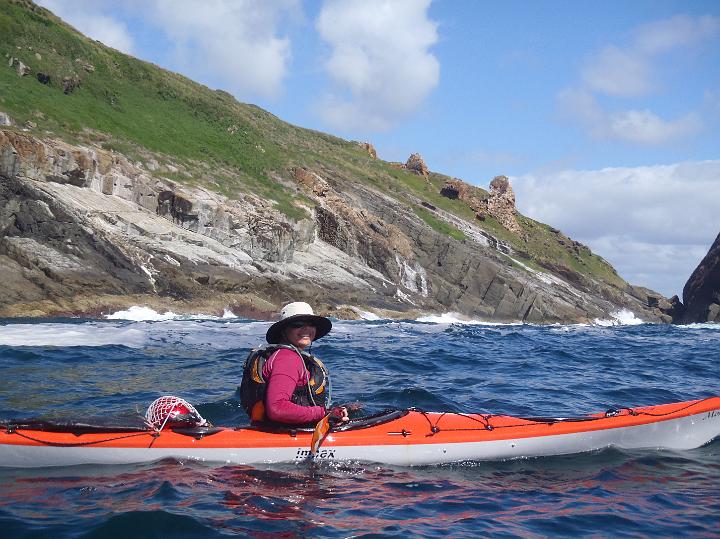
[701,294]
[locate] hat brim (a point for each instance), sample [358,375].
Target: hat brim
[275,334]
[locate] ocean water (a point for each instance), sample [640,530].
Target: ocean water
[77,368]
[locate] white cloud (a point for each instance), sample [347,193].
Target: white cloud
[615,71]
[630,72]
[636,126]
[380,55]
[645,127]
[85,16]
[653,223]
[661,36]
[664,268]
[235,42]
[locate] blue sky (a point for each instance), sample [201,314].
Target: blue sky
[605,115]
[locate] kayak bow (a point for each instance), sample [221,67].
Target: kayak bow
[407,437]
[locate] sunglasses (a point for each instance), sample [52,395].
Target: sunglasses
[297,324]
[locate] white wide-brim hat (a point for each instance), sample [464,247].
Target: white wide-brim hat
[298,310]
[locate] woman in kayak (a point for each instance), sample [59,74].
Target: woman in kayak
[281,382]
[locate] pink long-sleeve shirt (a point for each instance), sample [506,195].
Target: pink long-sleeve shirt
[285,371]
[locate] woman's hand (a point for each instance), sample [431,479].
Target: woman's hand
[353,406]
[339,414]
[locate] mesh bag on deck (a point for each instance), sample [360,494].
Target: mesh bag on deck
[170,411]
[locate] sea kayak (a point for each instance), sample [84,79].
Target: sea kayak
[402,437]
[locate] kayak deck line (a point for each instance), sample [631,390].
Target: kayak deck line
[75,444]
[405,437]
[448,420]
[486,419]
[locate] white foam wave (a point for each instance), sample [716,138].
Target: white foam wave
[557,328]
[623,317]
[69,335]
[700,325]
[141,314]
[367,315]
[190,334]
[146,314]
[457,318]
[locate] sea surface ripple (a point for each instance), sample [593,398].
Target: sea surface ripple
[79,368]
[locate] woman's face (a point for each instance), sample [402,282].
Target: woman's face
[300,333]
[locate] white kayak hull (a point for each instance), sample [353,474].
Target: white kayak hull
[403,446]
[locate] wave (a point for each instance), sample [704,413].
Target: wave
[367,315]
[457,318]
[445,318]
[141,314]
[66,335]
[213,333]
[700,325]
[228,314]
[623,317]
[146,314]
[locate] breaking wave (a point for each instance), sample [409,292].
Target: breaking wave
[457,318]
[623,317]
[66,335]
[146,314]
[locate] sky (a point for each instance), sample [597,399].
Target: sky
[604,115]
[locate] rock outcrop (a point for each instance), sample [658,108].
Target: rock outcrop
[369,148]
[85,65]
[701,294]
[416,164]
[20,68]
[70,83]
[501,204]
[454,189]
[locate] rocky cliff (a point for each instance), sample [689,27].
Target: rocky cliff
[701,294]
[122,183]
[86,230]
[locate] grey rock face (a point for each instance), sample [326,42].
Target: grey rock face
[701,294]
[78,222]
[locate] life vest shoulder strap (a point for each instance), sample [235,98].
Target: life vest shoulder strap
[257,358]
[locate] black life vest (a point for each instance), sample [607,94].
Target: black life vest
[253,385]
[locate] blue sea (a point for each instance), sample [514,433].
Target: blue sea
[74,368]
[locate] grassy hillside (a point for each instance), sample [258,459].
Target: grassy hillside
[144,111]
